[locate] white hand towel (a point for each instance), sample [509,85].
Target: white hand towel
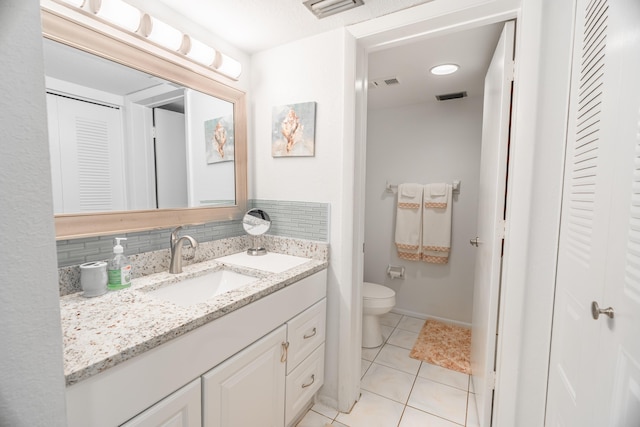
[436,195]
[436,226]
[409,221]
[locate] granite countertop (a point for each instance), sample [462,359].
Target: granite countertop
[101,332]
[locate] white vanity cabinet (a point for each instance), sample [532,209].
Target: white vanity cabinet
[248,389]
[249,376]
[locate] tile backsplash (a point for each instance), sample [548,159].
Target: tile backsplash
[300,220]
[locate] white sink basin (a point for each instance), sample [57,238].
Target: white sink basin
[271,261]
[201,288]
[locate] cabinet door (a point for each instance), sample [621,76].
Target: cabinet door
[180,409]
[248,389]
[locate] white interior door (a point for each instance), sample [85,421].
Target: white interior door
[171,159]
[594,376]
[490,229]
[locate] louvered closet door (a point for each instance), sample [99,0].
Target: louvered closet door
[89,176]
[594,377]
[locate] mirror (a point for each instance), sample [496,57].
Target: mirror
[174,148]
[256,222]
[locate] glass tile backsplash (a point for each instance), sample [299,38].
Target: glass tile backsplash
[300,220]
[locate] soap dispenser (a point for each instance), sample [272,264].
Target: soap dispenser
[119,269]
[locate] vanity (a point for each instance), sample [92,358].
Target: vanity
[251,356]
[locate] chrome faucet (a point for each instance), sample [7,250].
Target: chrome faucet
[176,250]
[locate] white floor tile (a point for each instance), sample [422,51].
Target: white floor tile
[337,424]
[415,418]
[324,410]
[398,358]
[412,324]
[364,365]
[373,411]
[402,338]
[472,414]
[444,376]
[370,353]
[390,319]
[388,382]
[386,332]
[313,419]
[439,399]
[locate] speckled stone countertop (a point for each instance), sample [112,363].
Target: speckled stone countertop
[101,332]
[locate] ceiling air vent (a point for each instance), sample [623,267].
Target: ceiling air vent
[381,82]
[323,8]
[448,96]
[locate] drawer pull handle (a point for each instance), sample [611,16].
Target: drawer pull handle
[313,379]
[306,337]
[285,351]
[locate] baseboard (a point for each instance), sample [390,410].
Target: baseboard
[426,316]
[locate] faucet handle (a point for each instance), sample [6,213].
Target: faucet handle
[174,235]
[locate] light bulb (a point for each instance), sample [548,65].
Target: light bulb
[165,35]
[118,12]
[230,67]
[201,52]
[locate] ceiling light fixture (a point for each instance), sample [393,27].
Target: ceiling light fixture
[444,69]
[323,8]
[118,12]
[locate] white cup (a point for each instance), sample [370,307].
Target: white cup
[93,278]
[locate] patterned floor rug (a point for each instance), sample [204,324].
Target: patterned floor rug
[444,345]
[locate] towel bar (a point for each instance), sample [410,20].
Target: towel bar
[393,188]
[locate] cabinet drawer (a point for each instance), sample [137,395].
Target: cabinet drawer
[303,382]
[305,333]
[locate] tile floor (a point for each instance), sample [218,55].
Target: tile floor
[398,391]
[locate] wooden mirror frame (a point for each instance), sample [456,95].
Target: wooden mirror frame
[68,31]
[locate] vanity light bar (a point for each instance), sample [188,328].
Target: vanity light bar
[132,19]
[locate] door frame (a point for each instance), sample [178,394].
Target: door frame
[533,202]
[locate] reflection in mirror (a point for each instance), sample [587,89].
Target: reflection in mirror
[256,222]
[121,139]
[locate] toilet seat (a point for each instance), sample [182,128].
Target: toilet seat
[375,296]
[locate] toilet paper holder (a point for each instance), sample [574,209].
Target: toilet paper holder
[395,271]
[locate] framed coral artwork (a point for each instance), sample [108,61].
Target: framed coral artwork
[219,139]
[293,130]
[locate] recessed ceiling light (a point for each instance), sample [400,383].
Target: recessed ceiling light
[444,69]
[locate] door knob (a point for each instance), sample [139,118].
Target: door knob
[474,242]
[596,311]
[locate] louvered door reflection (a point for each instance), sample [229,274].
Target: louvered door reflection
[87,156]
[594,363]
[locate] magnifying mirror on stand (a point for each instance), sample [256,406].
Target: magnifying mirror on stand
[256,222]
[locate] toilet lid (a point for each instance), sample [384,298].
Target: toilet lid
[373,290]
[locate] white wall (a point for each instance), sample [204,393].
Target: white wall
[434,142]
[312,69]
[32,385]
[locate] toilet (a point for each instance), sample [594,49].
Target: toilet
[377,300]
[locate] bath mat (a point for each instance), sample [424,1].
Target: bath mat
[444,345]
